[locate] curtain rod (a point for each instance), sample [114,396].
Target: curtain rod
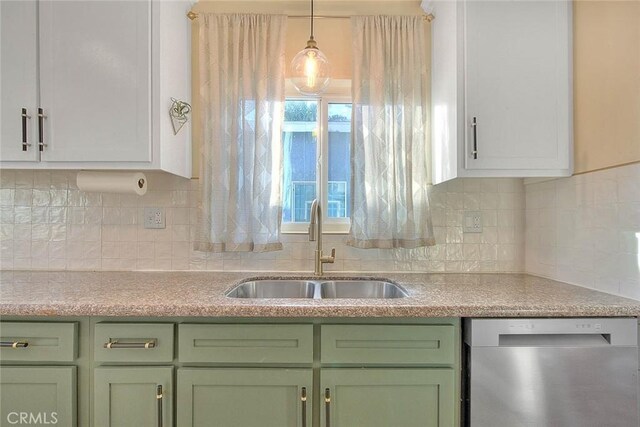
[193,15]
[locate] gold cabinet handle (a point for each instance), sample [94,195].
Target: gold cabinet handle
[159,397]
[303,398]
[327,407]
[115,344]
[14,344]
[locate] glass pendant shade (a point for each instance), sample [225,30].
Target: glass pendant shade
[310,70]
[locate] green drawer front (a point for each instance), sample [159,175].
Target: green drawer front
[44,395]
[47,342]
[387,344]
[131,339]
[257,344]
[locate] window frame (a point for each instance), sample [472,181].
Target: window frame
[329,225]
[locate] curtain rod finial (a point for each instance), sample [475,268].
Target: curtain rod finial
[192,15]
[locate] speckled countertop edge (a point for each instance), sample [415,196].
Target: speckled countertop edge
[202,294]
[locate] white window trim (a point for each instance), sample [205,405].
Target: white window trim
[340,92]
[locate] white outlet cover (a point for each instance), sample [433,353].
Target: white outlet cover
[154,218]
[472,222]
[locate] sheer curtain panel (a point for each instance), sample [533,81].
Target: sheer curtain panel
[241,102]
[389,148]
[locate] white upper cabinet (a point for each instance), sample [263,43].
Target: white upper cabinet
[107,73]
[501,88]
[18,81]
[95,80]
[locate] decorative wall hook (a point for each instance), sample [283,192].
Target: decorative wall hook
[178,113]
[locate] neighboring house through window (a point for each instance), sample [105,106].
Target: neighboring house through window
[316,141]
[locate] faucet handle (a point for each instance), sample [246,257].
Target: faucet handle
[326,259]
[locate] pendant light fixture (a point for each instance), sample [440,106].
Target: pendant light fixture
[310,67]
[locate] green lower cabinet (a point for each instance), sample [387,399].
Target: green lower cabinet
[387,397]
[133,397]
[34,395]
[247,397]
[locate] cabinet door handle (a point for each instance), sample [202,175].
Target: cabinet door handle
[303,398]
[327,407]
[474,125]
[14,344]
[25,139]
[41,118]
[159,397]
[115,344]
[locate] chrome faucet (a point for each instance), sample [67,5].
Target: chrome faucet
[315,235]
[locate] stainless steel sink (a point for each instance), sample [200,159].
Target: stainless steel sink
[360,289]
[316,289]
[274,289]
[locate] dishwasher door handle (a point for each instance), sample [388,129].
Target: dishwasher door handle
[554,340]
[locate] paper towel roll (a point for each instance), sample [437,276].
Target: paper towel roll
[112,182]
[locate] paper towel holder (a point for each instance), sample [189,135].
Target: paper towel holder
[126,182]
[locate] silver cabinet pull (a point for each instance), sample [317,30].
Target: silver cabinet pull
[25,139]
[474,125]
[303,398]
[14,344]
[159,397]
[327,407]
[115,344]
[41,118]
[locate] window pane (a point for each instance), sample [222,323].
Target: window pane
[339,186]
[300,153]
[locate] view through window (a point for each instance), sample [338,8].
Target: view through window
[305,146]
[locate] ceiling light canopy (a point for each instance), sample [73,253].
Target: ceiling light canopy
[310,68]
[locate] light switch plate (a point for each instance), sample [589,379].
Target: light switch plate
[472,222]
[154,218]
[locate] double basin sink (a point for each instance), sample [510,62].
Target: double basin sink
[317,289]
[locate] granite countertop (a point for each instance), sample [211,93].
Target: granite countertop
[47,293]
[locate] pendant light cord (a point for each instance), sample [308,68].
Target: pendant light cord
[311,20]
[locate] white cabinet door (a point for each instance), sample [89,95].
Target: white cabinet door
[518,84]
[18,80]
[95,79]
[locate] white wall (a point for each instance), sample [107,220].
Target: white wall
[585,230]
[47,223]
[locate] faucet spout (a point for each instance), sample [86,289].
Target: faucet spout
[313,221]
[315,235]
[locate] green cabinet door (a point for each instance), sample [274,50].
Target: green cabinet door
[387,397]
[251,397]
[38,395]
[133,397]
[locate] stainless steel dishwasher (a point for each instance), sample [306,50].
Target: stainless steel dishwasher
[550,372]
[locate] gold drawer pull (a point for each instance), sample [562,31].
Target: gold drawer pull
[115,344]
[14,344]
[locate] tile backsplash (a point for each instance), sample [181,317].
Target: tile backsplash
[585,230]
[47,223]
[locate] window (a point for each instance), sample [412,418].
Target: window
[316,142]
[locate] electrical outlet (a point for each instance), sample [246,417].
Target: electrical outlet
[154,218]
[472,222]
